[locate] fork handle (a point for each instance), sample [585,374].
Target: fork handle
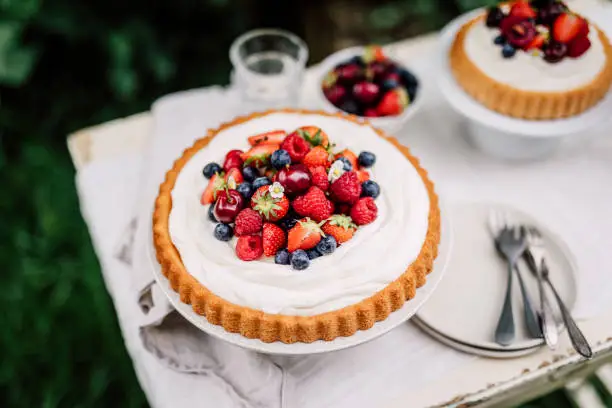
[531,321]
[505,332]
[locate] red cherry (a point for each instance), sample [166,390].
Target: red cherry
[349,74]
[365,92]
[518,32]
[295,179]
[335,94]
[233,160]
[370,113]
[378,69]
[228,205]
[392,76]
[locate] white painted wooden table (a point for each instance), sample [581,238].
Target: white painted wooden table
[482,382]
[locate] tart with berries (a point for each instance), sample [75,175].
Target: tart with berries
[296,226]
[534,60]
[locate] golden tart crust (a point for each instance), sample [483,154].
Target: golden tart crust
[526,104]
[256,324]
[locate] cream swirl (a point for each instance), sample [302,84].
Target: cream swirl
[532,73]
[377,255]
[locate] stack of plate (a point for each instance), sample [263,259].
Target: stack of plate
[464,310]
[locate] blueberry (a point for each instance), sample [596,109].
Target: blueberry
[350,106]
[407,78]
[261,181]
[389,84]
[289,221]
[313,254]
[223,232]
[210,169]
[366,159]
[412,92]
[250,173]
[282,257]
[300,260]
[499,40]
[508,51]
[211,215]
[245,189]
[347,164]
[357,60]
[280,158]
[370,188]
[326,245]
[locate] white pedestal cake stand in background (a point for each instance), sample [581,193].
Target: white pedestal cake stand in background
[361,336]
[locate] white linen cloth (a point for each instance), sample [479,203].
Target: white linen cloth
[569,192]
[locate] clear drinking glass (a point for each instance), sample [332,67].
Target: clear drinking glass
[268,68]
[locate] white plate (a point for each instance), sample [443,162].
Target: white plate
[466,348]
[395,319]
[475,111]
[476,277]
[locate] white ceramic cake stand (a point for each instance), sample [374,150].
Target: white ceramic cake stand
[395,319]
[504,136]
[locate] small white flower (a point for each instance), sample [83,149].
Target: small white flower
[231,183]
[505,8]
[276,190]
[336,170]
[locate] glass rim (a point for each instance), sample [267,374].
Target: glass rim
[302,47]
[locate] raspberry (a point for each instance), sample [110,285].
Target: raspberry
[249,247]
[297,147]
[364,211]
[319,177]
[346,189]
[314,204]
[247,222]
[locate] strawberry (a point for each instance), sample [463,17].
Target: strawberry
[537,42]
[522,9]
[270,208]
[346,189]
[319,177]
[273,239]
[314,135]
[363,175]
[247,222]
[393,102]
[249,247]
[352,157]
[373,53]
[313,204]
[296,146]
[215,184]
[272,137]
[341,227]
[578,46]
[259,155]
[306,234]
[232,160]
[567,27]
[364,211]
[318,156]
[236,175]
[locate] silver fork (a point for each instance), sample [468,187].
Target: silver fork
[511,243]
[534,255]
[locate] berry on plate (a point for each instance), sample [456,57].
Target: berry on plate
[304,235]
[346,163]
[314,135]
[295,179]
[260,182]
[327,245]
[259,155]
[568,26]
[370,113]
[508,51]
[272,205]
[349,74]
[250,173]
[272,137]
[336,94]
[228,205]
[346,189]
[538,42]
[232,160]
[373,53]
[300,260]
[223,232]
[313,204]
[393,102]
[518,32]
[313,253]
[364,211]
[366,92]
[216,183]
[319,177]
[494,17]
[249,247]
[248,222]
[296,146]
[523,9]
[366,159]
[350,156]
[578,46]
[211,169]
[280,158]
[341,227]
[233,177]
[318,156]
[282,257]
[273,239]
[370,188]
[555,52]
[211,213]
[363,175]
[246,189]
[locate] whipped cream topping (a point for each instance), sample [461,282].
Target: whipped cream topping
[532,73]
[377,254]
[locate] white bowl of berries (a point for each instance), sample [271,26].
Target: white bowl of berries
[363,81]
